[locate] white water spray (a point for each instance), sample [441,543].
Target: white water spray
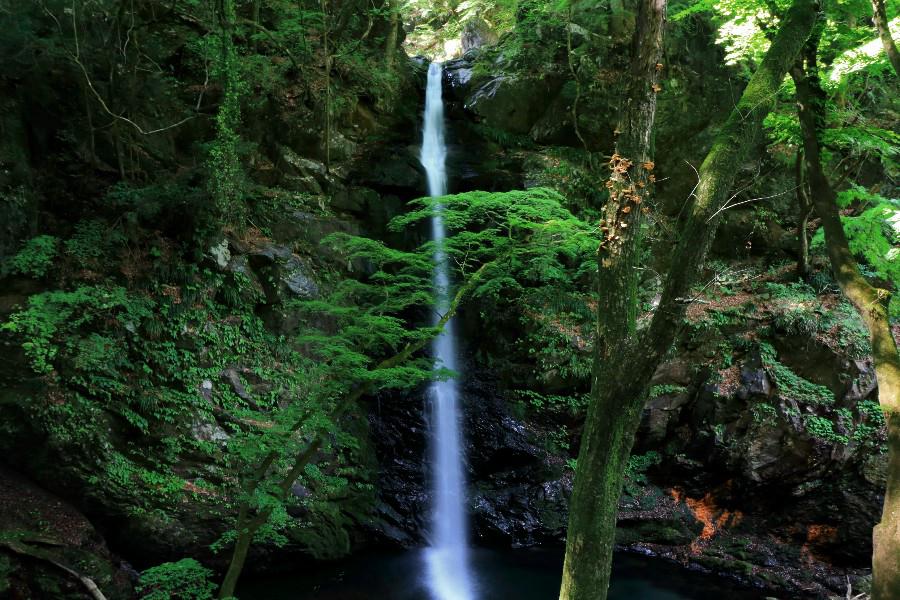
[447,558]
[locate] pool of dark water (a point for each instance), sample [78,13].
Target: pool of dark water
[500,575]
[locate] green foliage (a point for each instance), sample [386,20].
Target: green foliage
[872,412]
[852,335]
[227,179]
[797,321]
[573,404]
[764,414]
[638,464]
[569,172]
[636,470]
[36,256]
[666,390]
[185,579]
[874,236]
[92,244]
[539,269]
[791,385]
[822,428]
[434,24]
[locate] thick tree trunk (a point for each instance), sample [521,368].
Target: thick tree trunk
[872,305]
[884,32]
[622,371]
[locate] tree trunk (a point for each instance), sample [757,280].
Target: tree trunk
[390,46]
[621,376]
[805,209]
[872,305]
[884,32]
[598,480]
[238,558]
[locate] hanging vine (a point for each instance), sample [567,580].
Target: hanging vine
[226,174]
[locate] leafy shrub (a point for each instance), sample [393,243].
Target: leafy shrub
[823,429]
[666,390]
[636,471]
[792,385]
[799,322]
[36,256]
[186,579]
[764,414]
[92,243]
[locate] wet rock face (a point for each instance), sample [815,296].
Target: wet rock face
[516,494]
[397,425]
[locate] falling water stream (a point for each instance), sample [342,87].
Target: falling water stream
[447,559]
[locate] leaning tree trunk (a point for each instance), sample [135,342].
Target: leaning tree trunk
[872,305]
[622,371]
[884,32]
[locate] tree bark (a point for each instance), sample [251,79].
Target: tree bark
[884,32]
[621,376]
[592,513]
[390,46]
[872,305]
[805,209]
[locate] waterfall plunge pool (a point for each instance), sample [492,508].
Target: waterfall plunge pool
[499,575]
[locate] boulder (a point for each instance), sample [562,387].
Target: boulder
[476,32]
[513,103]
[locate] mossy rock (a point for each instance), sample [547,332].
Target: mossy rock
[669,532]
[726,565]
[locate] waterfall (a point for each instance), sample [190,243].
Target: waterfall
[447,565]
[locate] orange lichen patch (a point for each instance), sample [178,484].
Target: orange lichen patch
[821,534]
[705,510]
[713,517]
[818,536]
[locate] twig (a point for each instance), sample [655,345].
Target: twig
[24,550]
[76,58]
